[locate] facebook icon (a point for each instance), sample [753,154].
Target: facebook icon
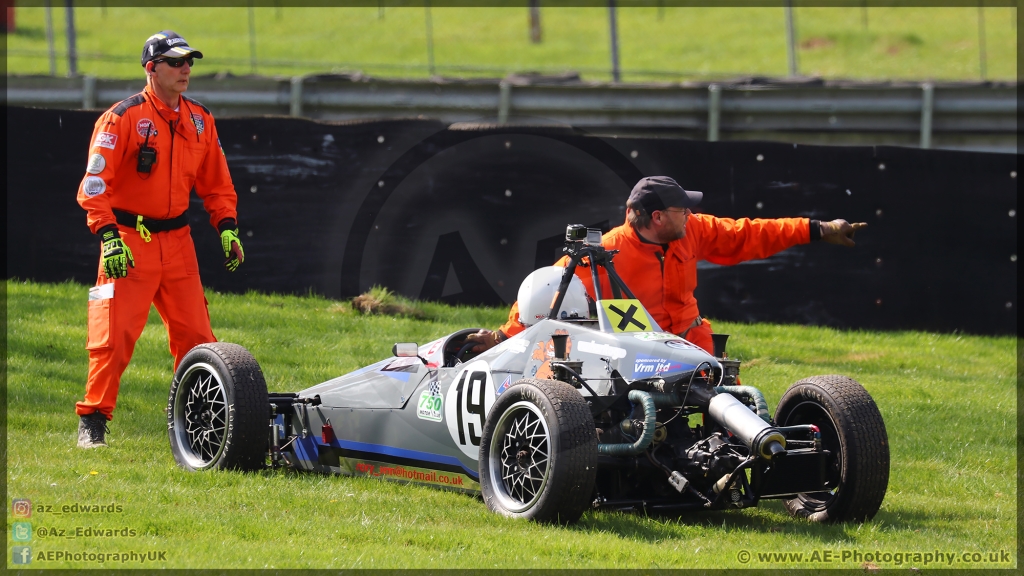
[21,554]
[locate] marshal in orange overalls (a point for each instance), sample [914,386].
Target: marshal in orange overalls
[166,272]
[664,280]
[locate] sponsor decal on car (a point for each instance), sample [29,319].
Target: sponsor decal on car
[469,398]
[431,353]
[146,127]
[106,140]
[591,347]
[96,164]
[197,119]
[545,349]
[682,345]
[401,368]
[431,405]
[415,474]
[504,385]
[645,366]
[94,186]
[654,336]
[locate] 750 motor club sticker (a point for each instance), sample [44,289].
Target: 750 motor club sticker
[431,404]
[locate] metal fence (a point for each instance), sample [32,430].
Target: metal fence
[979,117]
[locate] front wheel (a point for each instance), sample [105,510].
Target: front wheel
[538,453]
[218,411]
[852,429]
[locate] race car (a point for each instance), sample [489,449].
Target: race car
[592,406]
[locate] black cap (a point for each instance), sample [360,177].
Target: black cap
[660,192]
[167,43]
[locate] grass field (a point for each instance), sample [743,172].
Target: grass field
[667,43]
[949,402]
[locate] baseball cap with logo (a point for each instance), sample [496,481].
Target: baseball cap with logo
[660,192]
[167,44]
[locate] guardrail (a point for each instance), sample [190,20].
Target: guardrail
[979,117]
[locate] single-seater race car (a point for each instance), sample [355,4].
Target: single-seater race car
[592,406]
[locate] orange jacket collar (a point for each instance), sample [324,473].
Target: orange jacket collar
[170,115]
[639,243]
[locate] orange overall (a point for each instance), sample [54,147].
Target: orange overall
[668,295]
[166,272]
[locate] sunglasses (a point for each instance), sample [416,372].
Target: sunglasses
[176,62]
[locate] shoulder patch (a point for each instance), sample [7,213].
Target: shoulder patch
[197,103]
[124,105]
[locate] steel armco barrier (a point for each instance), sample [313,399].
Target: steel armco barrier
[960,116]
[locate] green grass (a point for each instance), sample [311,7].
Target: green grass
[949,403]
[655,44]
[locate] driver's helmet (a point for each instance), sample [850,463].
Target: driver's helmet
[537,293]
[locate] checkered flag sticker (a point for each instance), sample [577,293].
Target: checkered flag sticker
[435,388]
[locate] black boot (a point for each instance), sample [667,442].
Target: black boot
[91,430]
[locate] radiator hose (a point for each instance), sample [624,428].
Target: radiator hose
[650,415]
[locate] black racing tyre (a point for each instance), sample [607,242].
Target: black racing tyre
[218,411]
[538,453]
[852,429]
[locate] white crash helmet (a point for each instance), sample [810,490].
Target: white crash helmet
[537,292]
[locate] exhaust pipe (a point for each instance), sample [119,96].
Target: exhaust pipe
[757,434]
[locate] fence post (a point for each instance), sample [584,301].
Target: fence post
[69,11]
[927,105]
[252,39]
[615,41]
[535,33]
[981,39]
[88,92]
[296,101]
[49,40]
[714,111]
[430,38]
[504,101]
[790,38]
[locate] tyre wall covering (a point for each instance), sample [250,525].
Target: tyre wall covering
[463,215]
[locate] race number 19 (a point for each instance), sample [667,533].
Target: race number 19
[466,404]
[472,388]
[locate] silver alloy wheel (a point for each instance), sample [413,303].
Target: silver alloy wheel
[520,456]
[200,416]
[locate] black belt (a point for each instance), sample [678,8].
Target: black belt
[151,224]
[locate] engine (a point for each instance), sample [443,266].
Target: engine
[693,460]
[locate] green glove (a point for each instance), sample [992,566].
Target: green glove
[117,257]
[231,245]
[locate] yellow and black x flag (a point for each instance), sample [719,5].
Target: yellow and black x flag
[625,316]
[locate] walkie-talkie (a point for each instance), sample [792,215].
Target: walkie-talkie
[147,155]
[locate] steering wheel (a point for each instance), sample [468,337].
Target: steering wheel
[465,348]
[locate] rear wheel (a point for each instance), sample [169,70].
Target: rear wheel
[852,429]
[217,410]
[538,453]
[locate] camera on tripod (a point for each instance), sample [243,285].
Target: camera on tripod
[580,233]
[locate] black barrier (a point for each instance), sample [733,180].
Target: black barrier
[463,215]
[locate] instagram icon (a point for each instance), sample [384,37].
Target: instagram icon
[21,508]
